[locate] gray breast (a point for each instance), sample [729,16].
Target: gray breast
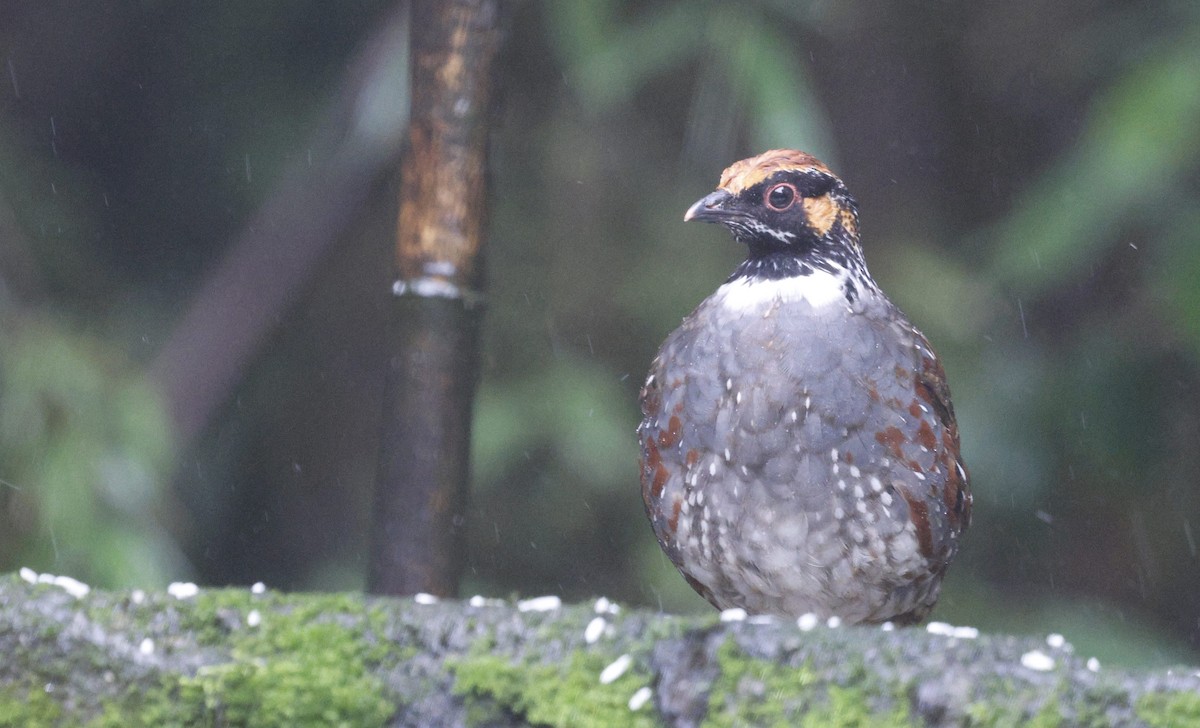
[790,449]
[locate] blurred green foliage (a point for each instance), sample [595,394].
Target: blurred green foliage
[87,453]
[1028,181]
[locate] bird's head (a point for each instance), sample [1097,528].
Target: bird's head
[785,204]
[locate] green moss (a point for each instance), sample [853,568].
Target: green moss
[307,663]
[551,695]
[28,706]
[752,692]
[1169,709]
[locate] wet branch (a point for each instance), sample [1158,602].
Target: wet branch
[418,539]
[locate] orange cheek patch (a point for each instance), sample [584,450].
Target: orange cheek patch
[821,213]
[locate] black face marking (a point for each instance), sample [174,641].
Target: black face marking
[782,242]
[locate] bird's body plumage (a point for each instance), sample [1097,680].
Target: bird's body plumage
[799,449]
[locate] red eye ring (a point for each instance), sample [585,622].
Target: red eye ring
[780,197]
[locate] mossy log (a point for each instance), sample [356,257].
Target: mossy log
[258,657]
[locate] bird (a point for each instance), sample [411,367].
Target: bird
[799,449]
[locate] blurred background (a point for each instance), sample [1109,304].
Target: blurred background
[196,209]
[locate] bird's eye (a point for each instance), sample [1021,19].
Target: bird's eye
[780,197]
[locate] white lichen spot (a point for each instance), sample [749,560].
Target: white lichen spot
[736,614]
[595,630]
[424,598]
[615,669]
[540,604]
[639,699]
[254,618]
[74,587]
[183,589]
[949,630]
[807,622]
[1037,660]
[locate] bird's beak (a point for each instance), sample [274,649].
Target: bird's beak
[713,208]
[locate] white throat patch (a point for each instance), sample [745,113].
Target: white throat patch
[819,288]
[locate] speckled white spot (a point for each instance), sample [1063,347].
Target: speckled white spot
[137,596]
[838,513]
[423,598]
[795,415]
[833,622]
[183,589]
[1093,664]
[855,472]
[833,454]
[876,484]
[594,630]
[258,588]
[28,574]
[885,498]
[887,627]
[728,385]
[1037,660]
[807,622]
[639,699]
[858,491]
[737,398]
[841,483]
[1055,640]
[540,604]
[615,669]
[712,468]
[727,455]
[254,618]
[860,506]
[146,647]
